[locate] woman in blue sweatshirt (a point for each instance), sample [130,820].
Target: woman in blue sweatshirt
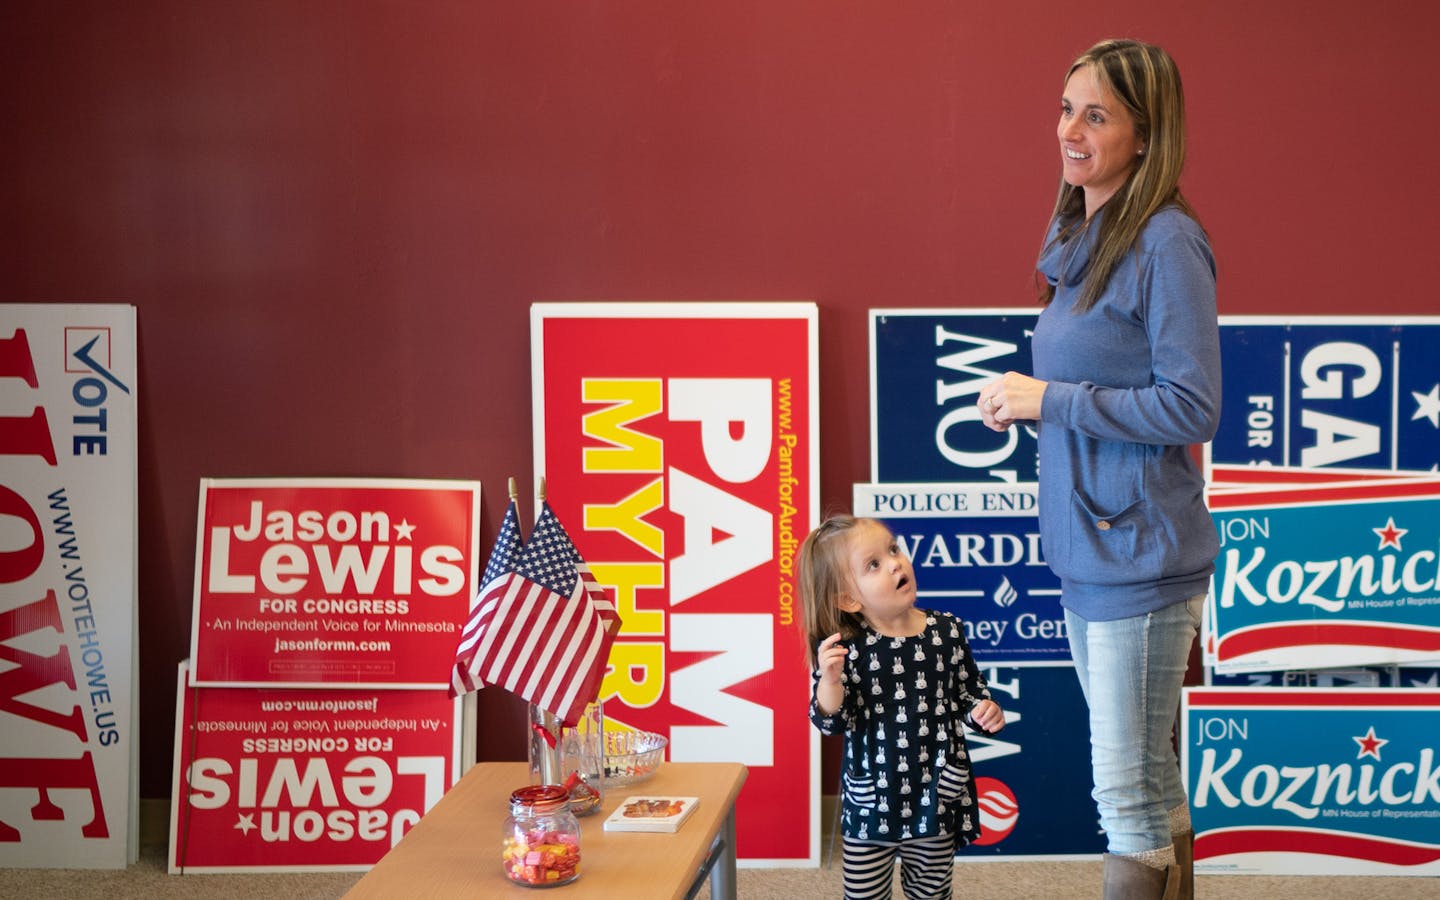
[1127,377]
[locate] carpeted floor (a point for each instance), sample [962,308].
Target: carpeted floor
[147,880]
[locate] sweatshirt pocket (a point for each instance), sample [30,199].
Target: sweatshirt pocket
[953,784]
[860,790]
[1110,547]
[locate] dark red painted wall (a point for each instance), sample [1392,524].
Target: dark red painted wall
[333,216]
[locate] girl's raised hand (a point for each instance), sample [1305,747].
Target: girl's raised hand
[830,658]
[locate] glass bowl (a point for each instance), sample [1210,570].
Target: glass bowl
[632,756]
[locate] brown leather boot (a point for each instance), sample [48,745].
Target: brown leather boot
[1128,879]
[1185,861]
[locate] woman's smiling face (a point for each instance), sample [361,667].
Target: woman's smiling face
[1099,146]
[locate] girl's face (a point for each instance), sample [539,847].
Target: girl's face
[882,580]
[1099,147]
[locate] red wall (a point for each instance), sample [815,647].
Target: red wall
[333,216]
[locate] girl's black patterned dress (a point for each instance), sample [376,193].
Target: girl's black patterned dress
[906,771]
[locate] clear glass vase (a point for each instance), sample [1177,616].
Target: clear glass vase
[573,757]
[582,759]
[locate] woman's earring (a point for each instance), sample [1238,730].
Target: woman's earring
[1142,152]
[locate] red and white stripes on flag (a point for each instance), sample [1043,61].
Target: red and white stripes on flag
[542,627]
[499,572]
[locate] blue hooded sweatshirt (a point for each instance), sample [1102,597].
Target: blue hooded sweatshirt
[1132,382]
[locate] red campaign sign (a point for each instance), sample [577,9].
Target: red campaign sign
[353,582]
[284,779]
[677,442]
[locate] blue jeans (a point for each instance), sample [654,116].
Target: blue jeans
[1131,671]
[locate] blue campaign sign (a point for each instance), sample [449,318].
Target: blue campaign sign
[926,370]
[1314,392]
[1312,781]
[1337,575]
[1408,676]
[976,550]
[1033,778]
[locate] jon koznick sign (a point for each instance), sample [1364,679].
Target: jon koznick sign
[1313,781]
[1335,575]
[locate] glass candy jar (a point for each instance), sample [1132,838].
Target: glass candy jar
[541,837]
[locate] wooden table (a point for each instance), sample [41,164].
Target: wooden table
[454,850]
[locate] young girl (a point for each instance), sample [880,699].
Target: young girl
[898,682]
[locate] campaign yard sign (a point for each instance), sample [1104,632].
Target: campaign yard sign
[1313,781]
[976,550]
[361,582]
[1344,574]
[678,445]
[68,722]
[275,779]
[926,369]
[1033,779]
[1358,392]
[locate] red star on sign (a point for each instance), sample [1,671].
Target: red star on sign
[1390,535]
[1369,744]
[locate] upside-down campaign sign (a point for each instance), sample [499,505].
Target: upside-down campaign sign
[926,370]
[1311,781]
[271,779]
[333,581]
[976,550]
[1327,575]
[677,442]
[67,585]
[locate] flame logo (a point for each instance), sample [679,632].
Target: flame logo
[1005,594]
[998,811]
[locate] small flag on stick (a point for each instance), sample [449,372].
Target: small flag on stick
[543,627]
[499,573]
[568,645]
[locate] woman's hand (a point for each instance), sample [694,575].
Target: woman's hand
[1010,398]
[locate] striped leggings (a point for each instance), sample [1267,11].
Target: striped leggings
[927,866]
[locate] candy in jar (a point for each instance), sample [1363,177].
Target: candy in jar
[541,837]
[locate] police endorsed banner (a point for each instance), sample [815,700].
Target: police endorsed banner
[976,550]
[272,779]
[1311,781]
[1333,575]
[362,582]
[67,586]
[926,368]
[1358,392]
[677,441]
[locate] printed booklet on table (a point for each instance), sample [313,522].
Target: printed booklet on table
[651,813]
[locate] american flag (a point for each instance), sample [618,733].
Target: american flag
[499,572]
[544,632]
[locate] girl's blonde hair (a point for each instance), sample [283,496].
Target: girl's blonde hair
[1145,80]
[822,577]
